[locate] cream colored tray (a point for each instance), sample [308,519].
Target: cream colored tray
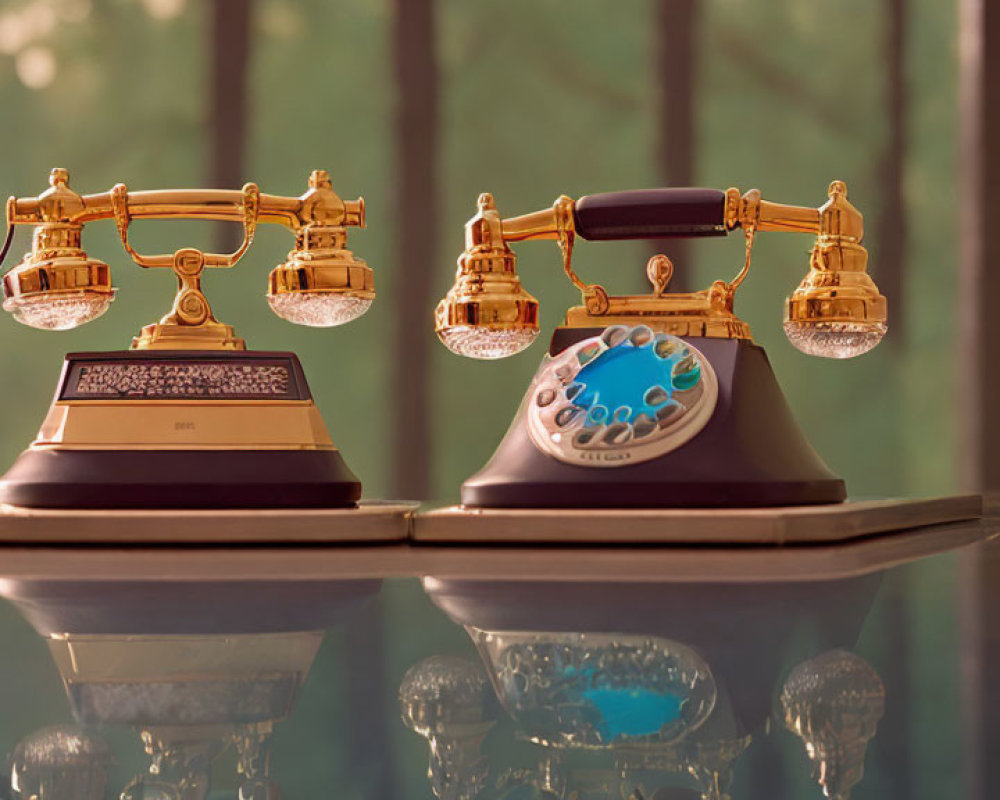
[369,522]
[757,526]
[333,562]
[814,543]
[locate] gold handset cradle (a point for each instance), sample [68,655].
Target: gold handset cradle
[57,286]
[187,416]
[836,311]
[658,400]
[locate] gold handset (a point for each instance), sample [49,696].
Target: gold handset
[57,286]
[836,311]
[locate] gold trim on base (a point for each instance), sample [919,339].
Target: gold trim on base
[210,335]
[183,425]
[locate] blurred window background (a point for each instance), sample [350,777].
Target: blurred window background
[419,106]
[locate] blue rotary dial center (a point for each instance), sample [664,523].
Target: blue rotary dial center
[637,375]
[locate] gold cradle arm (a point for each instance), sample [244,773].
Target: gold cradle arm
[837,259]
[198,204]
[319,218]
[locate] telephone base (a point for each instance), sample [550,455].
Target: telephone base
[750,453]
[181,429]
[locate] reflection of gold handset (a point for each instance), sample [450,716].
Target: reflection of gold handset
[833,703]
[836,311]
[57,286]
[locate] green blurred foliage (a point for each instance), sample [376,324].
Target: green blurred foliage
[536,101]
[534,105]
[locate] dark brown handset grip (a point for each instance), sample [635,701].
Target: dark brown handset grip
[651,214]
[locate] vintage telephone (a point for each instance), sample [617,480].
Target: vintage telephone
[667,677]
[658,400]
[195,666]
[188,417]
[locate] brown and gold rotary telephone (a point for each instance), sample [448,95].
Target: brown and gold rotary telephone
[658,400]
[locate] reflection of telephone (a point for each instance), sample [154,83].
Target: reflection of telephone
[191,683]
[658,400]
[669,678]
[188,417]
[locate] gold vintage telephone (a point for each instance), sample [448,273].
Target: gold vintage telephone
[188,417]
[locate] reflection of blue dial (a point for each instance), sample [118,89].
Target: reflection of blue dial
[626,395]
[600,690]
[626,709]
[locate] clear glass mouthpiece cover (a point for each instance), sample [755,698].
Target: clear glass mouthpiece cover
[58,312]
[318,309]
[486,343]
[835,339]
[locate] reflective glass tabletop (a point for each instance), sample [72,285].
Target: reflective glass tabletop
[460,686]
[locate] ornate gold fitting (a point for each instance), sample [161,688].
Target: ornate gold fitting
[190,325]
[836,311]
[57,286]
[320,270]
[837,300]
[487,313]
[708,312]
